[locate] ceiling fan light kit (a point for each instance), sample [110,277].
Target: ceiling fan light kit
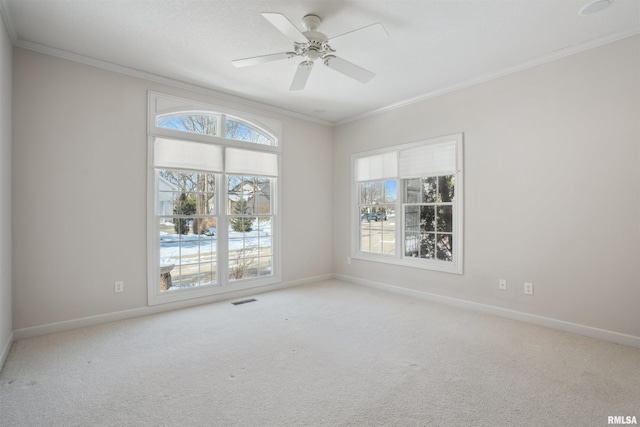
[312,45]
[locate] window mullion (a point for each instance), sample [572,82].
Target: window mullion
[223,230]
[222,125]
[399,231]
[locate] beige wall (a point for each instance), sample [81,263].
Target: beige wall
[552,188]
[5,192]
[79,177]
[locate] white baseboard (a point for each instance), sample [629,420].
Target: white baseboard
[5,350]
[561,325]
[68,325]
[602,334]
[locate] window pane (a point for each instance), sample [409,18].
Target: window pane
[371,193]
[249,209]
[412,191]
[429,186]
[187,241]
[243,132]
[445,247]
[186,193]
[434,206]
[427,218]
[411,244]
[250,253]
[377,233]
[377,217]
[207,258]
[445,218]
[390,192]
[248,195]
[446,188]
[412,231]
[364,192]
[365,235]
[262,196]
[186,260]
[191,123]
[427,245]
[377,192]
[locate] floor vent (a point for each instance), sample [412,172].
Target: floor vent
[244,301]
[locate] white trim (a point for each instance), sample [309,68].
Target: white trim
[269,125]
[5,350]
[69,325]
[588,331]
[457,265]
[158,104]
[547,322]
[235,98]
[591,44]
[8,22]
[421,263]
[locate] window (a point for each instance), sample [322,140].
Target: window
[377,207]
[250,219]
[213,224]
[408,204]
[428,217]
[187,229]
[214,124]
[198,123]
[242,131]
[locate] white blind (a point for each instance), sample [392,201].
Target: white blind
[248,162]
[428,160]
[188,155]
[378,166]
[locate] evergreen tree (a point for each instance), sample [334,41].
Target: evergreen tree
[186,206]
[241,223]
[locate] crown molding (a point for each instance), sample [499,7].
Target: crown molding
[109,66]
[11,31]
[568,51]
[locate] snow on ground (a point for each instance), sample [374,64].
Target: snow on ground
[173,246]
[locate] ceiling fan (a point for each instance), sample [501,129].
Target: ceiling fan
[312,45]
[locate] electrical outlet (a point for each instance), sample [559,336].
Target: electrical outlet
[502,284]
[348,260]
[528,288]
[118,286]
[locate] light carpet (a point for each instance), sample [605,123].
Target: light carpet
[329,354]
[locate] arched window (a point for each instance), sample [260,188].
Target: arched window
[213,190]
[192,122]
[216,124]
[240,130]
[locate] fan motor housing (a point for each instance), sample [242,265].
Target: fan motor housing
[311,22]
[318,46]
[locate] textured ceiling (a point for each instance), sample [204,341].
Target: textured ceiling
[433,46]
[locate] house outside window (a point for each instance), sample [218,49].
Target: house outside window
[213,200]
[407,205]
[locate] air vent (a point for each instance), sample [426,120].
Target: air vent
[244,301]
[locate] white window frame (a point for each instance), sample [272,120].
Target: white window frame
[160,104]
[383,160]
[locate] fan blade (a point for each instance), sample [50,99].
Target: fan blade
[302,75]
[285,26]
[360,37]
[261,59]
[348,69]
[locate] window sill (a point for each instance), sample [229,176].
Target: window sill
[419,263]
[210,290]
